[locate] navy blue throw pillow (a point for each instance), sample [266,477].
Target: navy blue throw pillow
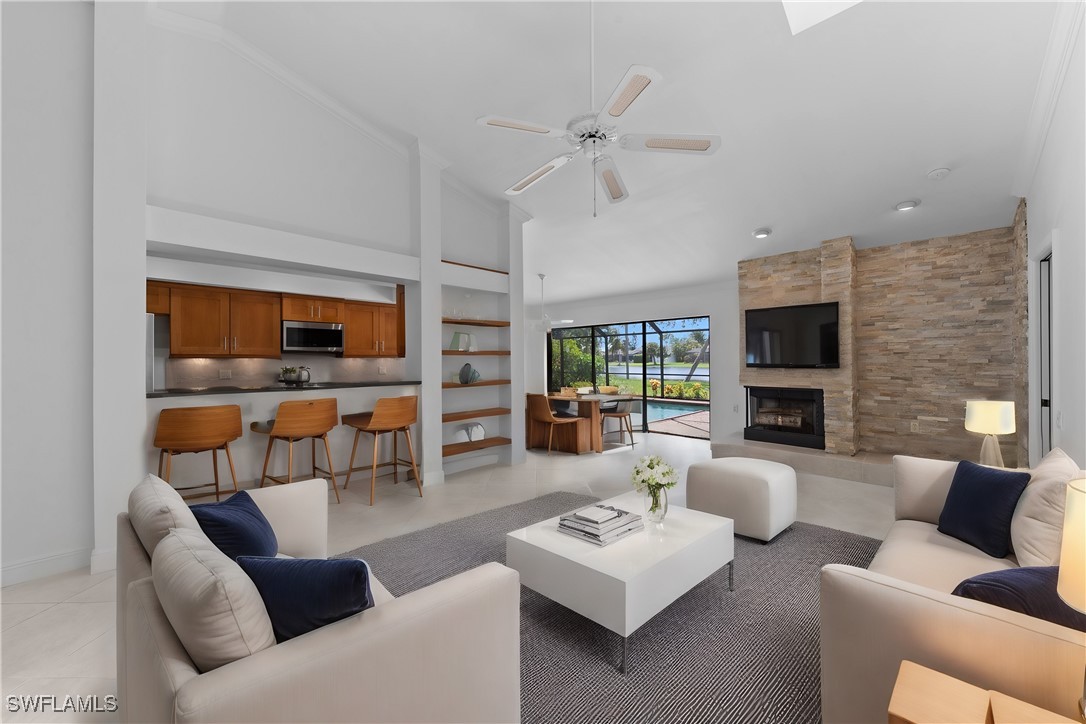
[303,594]
[979,507]
[237,527]
[1030,590]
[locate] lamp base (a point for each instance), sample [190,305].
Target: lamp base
[990,453]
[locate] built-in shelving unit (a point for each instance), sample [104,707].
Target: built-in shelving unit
[480,383]
[459,448]
[474,414]
[493,337]
[475,322]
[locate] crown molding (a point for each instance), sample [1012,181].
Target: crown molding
[1066,26]
[169,20]
[431,156]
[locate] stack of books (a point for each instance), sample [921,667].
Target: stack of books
[600,524]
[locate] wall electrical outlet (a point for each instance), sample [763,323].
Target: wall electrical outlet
[735,408]
[225,374]
[914,426]
[382,369]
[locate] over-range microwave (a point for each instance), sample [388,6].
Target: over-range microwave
[312,337]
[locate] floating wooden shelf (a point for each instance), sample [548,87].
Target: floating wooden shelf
[477,353]
[483,383]
[473,414]
[475,322]
[458,448]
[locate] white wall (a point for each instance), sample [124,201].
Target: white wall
[47,166]
[228,139]
[471,229]
[719,301]
[1056,207]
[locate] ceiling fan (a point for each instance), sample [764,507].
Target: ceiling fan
[591,133]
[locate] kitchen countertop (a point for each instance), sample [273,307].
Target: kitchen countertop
[275,387]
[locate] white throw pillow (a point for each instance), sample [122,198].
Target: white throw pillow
[154,507]
[1037,525]
[214,608]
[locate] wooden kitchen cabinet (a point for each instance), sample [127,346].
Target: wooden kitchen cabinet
[213,322]
[199,322]
[372,330]
[255,324]
[312,309]
[158,297]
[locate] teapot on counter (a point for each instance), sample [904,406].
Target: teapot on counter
[295,375]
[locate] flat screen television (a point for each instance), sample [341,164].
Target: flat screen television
[800,336]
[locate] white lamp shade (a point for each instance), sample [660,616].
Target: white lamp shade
[991,417]
[1072,580]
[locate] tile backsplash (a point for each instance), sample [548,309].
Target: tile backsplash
[205,371]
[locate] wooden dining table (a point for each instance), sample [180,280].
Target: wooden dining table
[566,438]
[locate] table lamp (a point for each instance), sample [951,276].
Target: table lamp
[1071,585]
[990,417]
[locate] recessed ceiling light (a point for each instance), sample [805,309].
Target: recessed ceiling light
[907,205]
[938,174]
[762,232]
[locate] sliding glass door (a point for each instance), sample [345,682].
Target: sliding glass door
[665,362]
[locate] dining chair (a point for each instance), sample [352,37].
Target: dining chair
[539,410]
[620,412]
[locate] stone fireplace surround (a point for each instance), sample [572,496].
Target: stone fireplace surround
[924,326]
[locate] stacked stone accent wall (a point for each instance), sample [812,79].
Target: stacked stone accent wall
[825,274]
[1020,333]
[935,327]
[924,326]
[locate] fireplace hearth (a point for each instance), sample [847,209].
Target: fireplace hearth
[788,416]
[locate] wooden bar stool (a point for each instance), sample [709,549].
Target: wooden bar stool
[298,420]
[195,430]
[390,414]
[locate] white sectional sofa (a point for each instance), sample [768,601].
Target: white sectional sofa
[447,652]
[901,607]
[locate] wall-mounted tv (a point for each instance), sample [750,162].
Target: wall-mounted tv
[800,336]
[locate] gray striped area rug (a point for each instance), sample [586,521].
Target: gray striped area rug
[748,655]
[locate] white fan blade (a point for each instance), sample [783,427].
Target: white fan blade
[607,173]
[539,173]
[670,143]
[638,79]
[513,124]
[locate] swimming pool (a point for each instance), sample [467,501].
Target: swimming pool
[658,410]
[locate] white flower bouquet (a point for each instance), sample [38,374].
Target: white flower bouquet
[651,475]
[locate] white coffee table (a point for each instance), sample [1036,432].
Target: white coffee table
[623,585]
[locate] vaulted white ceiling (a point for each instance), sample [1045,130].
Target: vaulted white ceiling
[823,132]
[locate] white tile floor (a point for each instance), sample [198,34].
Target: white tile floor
[58,633]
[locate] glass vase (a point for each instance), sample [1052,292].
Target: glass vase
[655,504]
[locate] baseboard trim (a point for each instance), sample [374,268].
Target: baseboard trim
[103,560]
[35,568]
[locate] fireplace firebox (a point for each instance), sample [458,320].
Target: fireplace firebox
[787,416]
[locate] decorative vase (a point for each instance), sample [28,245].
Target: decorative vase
[655,504]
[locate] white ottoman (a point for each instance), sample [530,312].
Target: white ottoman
[759,495]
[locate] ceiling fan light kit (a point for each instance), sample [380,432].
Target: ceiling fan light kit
[591,133]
